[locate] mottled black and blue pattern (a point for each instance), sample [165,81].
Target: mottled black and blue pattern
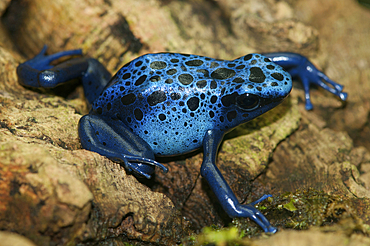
[170,100]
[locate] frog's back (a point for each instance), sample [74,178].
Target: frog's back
[171,100]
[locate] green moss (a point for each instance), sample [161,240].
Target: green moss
[312,207]
[304,209]
[226,236]
[290,206]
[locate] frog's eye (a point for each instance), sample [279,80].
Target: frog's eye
[248,102]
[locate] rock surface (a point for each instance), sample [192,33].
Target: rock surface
[55,193]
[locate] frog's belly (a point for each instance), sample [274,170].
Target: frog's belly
[174,136]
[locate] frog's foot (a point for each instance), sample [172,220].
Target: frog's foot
[38,72]
[309,74]
[42,62]
[142,166]
[299,66]
[249,211]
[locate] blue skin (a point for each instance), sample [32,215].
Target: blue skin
[168,104]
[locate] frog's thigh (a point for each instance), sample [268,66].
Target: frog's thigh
[111,138]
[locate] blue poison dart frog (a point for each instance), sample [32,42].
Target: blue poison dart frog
[168,104]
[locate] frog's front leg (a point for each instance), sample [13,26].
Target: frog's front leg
[111,138]
[299,66]
[38,72]
[222,190]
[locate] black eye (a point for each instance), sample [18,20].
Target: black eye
[248,102]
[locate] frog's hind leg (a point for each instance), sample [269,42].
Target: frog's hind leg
[38,72]
[222,190]
[111,138]
[95,80]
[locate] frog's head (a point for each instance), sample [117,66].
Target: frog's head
[263,86]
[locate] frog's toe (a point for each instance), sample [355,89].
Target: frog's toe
[308,104]
[343,96]
[146,161]
[338,87]
[265,224]
[138,169]
[261,199]
[271,229]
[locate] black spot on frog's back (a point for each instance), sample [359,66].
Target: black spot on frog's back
[140,80]
[278,76]
[194,63]
[158,65]
[256,75]
[162,117]
[156,97]
[185,78]
[223,73]
[155,78]
[193,103]
[138,114]
[201,84]
[238,80]
[126,76]
[172,71]
[128,99]
[248,57]
[138,63]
